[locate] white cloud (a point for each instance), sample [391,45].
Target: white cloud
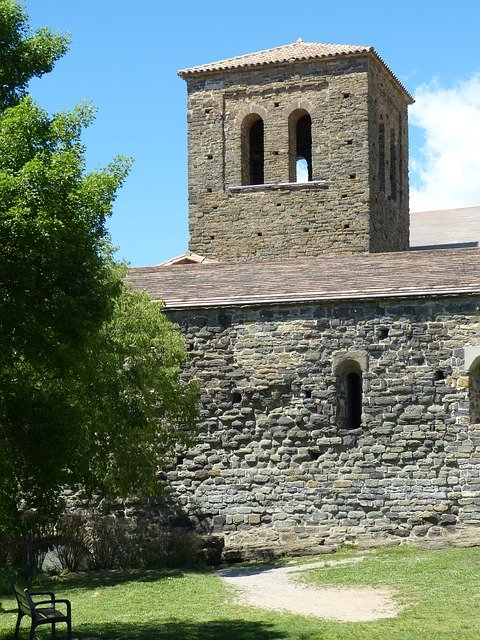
[446,174]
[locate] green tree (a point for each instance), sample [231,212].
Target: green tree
[24,55]
[140,411]
[90,387]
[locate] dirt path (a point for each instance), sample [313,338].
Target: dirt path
[274,588]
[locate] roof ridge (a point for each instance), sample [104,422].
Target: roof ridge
[361,257]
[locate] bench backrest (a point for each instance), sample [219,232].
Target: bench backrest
[25,604]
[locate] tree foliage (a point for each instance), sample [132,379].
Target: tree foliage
[56,282]
[24,55]
[90,386]
[140,409]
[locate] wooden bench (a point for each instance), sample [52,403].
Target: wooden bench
[41,611]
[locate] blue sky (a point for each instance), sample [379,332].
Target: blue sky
[124,57]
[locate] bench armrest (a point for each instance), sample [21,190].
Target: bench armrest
[65,602]
[43,593]
[55,602]
[38,602]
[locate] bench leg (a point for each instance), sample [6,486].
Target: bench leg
[54,631]
[17,626]
[69,629]
[32,631]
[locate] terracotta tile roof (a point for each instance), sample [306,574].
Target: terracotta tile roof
[357,277]
[298,51]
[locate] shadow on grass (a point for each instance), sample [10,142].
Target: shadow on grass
[248,570]
[210,630]
[108,578]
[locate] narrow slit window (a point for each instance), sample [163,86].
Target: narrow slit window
[474,392]
[400,161]
[381,156]
[353,400]
[393,166]
[349,395]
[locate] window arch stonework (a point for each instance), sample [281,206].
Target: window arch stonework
[349,394]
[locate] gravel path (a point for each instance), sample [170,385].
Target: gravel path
[275,588]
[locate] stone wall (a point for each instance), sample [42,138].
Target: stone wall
[389,203]
[337,212]
[272,468]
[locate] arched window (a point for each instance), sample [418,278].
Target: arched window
[252,150]
[474,391]
[300,146]
[349,395]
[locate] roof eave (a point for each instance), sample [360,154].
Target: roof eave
[197,72]
[202,71]
[255,301]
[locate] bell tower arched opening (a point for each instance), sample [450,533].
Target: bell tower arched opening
[300,146]
[253,150]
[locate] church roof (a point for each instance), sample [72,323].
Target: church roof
[298,51]
[446,228]
[348,277]
[186,258]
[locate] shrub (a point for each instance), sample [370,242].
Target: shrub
[101,542]
[8,574]
[109,542]
[13,555]
[13,550]
[115,542]
[70,543]
[161,546]
[22,556]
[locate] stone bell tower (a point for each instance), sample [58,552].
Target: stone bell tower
[299,150]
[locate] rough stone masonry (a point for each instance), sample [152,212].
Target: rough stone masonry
[339,372]
[272,465]
[356,199]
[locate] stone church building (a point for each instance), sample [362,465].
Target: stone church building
[339,369]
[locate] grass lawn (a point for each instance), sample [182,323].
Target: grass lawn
[438,590]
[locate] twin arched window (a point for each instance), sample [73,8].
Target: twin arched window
[299,145]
